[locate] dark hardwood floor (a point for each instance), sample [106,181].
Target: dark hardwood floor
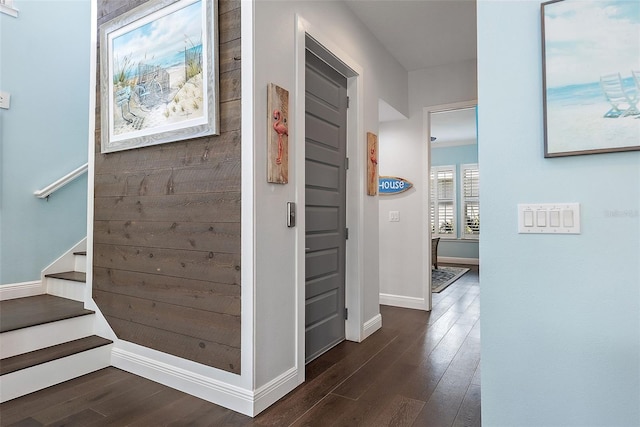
[420,369]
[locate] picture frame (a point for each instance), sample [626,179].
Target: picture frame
[159,74]
[591,77]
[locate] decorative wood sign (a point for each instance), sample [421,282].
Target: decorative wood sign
[388,185]
[372,164]
[278,131]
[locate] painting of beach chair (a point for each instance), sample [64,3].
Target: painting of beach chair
[618,97]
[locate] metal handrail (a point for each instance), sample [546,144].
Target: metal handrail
[49,189]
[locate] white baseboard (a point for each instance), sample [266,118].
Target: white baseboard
[236,398]
[403,301]
[21,290]
[455,260]
[269,393]
[372,325]
[230,396]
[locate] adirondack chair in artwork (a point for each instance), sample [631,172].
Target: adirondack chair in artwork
[623,101]
[122,100]
[636,78]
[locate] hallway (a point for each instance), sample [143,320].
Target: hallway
[420,369]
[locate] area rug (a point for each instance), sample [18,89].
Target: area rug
[444,276]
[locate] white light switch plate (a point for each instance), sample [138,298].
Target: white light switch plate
[549,218]
[5,99]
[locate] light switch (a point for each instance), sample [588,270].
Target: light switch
[528,218]
[567,218]
[394,216]
[549,218]
[5,100]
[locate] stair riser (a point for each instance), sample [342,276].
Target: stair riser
[80,263]
[66,288]
[41,336]
[38,377]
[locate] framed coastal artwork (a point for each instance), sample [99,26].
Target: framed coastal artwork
[159,74]
[591,76]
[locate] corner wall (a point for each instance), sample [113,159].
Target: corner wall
[278,249]
[560,314]
[43,136]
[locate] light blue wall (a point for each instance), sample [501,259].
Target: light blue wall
[560,314]
[44,64]
[444,156]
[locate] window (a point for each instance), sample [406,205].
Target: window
[470,201]
[443,201]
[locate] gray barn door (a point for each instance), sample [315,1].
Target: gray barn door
[325,210]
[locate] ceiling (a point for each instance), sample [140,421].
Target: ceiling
[454,127]
[421,33]
[424,34]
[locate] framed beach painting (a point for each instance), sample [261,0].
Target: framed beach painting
[159,74]
[591,76]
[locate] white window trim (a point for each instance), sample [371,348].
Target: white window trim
[6,6]
[435,200]
[463,199]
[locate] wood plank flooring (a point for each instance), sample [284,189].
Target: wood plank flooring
[420,369]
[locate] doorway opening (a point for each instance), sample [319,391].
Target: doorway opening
[451,187]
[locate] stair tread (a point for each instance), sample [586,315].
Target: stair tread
[37,310]
[80,253]
[44,355]
[75,276]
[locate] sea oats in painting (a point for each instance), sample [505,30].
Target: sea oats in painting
[159,80]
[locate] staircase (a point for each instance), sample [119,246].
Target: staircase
[48,339]
[70,284]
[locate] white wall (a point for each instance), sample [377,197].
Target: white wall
[560,314]
[401,154]
[277,249]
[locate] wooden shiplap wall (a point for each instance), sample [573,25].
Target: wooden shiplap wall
[166,254]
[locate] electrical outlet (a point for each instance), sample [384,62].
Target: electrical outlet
[5,99]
